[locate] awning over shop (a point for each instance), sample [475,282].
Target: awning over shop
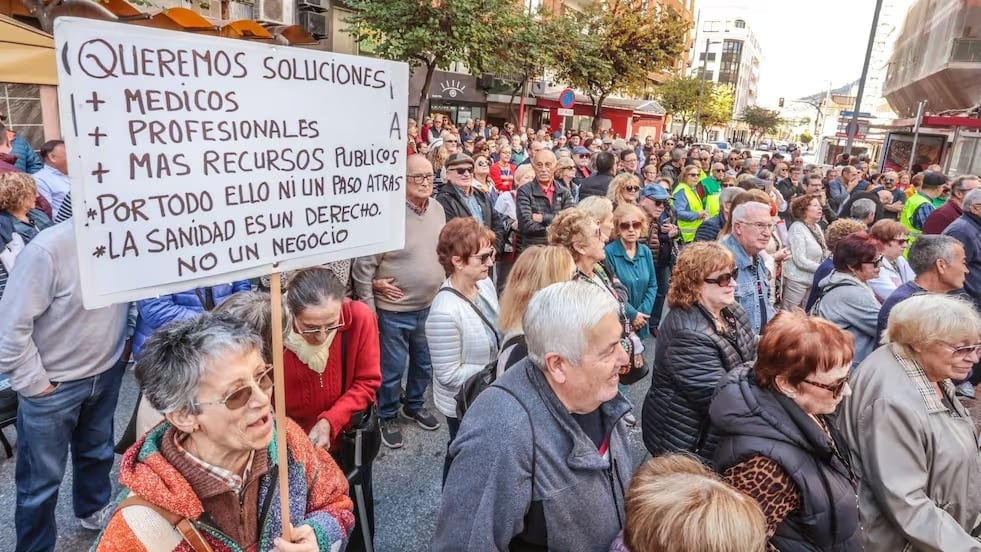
[27,55]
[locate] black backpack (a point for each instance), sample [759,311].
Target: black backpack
[487,375]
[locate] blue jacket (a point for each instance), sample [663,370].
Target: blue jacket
[156,312]
[637,275]
[967,230]
[753,285]
[27,159]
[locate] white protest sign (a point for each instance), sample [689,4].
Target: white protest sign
[199,160]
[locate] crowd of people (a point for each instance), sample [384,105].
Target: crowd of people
[814,331]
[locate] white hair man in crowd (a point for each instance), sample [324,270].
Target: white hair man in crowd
[752,227]
[560,415]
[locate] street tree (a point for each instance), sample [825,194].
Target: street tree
[431,33]
[679,98]
[525,47]
[760,120]
[805,138]
[616,46]
[717,103]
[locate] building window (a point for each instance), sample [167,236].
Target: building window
[740,24]
[22,105]
[712,26]
[731,58]
[711,56]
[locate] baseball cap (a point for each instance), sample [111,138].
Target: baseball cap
[458,158]
[933,179]
[581,151]
[654,191]
[607,140]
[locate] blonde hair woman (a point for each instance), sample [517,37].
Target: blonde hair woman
[624,188]
[601,209]
[675,504]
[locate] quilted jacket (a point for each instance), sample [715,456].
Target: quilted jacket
[691,359]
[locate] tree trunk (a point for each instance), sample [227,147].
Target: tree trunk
[520,87]
[597,112]
[424,94]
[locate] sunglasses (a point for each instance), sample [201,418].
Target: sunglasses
[635,225]
[482,164]
[463,170]
[660,202]
[836,388]
[723,280]
[241,396]
[582,156]
[632,188]
[876,263]
[484,257]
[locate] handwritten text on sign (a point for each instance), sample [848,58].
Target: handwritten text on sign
[197,160]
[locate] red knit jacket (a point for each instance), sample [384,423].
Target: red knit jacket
[309,399]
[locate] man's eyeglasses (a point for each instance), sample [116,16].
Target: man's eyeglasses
[582,156]
[632,188]
[836,388]
[876,263]
[463,170]
[660,202]
[761,226]
[628,225]
[718,170]
[964,351]
[241,396]
[421,178]
[723,280]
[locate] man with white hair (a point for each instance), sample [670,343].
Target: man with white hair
[967,230]
[542,458]
[863,210]
[752,228]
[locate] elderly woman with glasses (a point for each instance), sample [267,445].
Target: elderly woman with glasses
[462,327]
[332,369]
[705,335]
[914,445]
[210,468]
[633,264]
[844,296]
[778,436]
[895,270]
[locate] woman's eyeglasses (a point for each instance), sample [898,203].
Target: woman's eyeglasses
[723,280]
[876,263]
[241,396]
[628,225]
[660,202]
[482,164]
[836,388]
[964,351]
[484,257]
[631,188]
[692,174]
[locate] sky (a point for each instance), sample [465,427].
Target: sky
[805,43]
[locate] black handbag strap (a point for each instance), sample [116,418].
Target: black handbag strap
[476,309]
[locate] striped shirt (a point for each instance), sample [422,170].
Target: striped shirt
[234,481]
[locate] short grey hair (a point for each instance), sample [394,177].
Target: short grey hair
[728,194]
[862,208]
[749,162]
[972,197]
[743,210]
[678,154]
[178,355]
[929,248]
[559,317]
[932,318]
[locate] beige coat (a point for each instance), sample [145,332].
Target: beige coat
[918,461]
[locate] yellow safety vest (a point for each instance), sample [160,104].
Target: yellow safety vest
[712,204]
[688,228]
[909,208]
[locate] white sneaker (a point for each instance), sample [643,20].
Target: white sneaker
[98,520]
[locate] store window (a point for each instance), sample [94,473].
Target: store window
[458,113]
[21,103]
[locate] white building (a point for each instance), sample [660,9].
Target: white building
[728,52]
[891,20]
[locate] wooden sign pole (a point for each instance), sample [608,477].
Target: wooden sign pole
[279,392]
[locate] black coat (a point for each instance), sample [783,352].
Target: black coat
[752,421]
[455,207]
[530,200]
[596,185]
[691,359]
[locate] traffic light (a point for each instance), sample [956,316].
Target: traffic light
[781,102]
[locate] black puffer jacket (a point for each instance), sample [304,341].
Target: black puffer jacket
[691,359]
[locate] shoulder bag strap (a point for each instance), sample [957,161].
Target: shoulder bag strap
[183,525]
[497,339]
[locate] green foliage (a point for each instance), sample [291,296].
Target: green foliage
[615,47]
[805,138]
[717,105]
[761,120]
[679,97]
[431,33]
[525,44]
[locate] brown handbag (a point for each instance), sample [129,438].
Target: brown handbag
[183,525]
